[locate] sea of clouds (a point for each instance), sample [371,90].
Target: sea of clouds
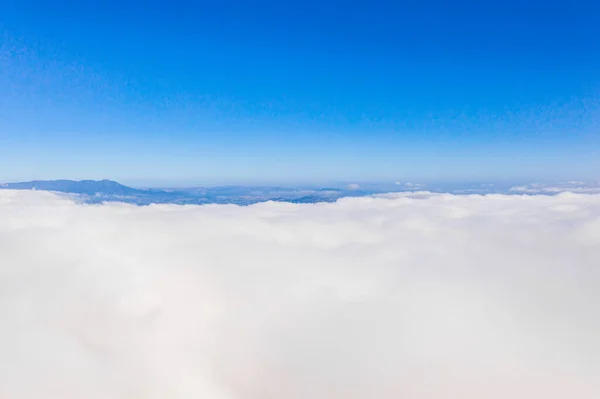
[411,296]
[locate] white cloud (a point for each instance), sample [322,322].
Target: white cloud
[411,185]
[572,187]
[410,295]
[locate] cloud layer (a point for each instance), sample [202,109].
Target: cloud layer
[578,187]
[402,296]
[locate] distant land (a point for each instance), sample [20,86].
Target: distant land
[89,187]
[98,191]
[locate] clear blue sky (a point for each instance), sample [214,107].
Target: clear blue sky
[286,91]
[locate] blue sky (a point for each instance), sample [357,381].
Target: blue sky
[213,92]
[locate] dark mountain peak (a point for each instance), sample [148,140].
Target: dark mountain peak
[88,187]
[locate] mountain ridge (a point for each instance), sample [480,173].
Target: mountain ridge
[88,187]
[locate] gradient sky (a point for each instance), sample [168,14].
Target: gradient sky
[212,92]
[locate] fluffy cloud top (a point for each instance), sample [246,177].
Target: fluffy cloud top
[405,296]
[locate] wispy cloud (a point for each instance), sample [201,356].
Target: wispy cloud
[409,296]
[560,187]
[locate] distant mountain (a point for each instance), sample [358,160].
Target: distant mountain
[87,187]
[95,192]
[101,191]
